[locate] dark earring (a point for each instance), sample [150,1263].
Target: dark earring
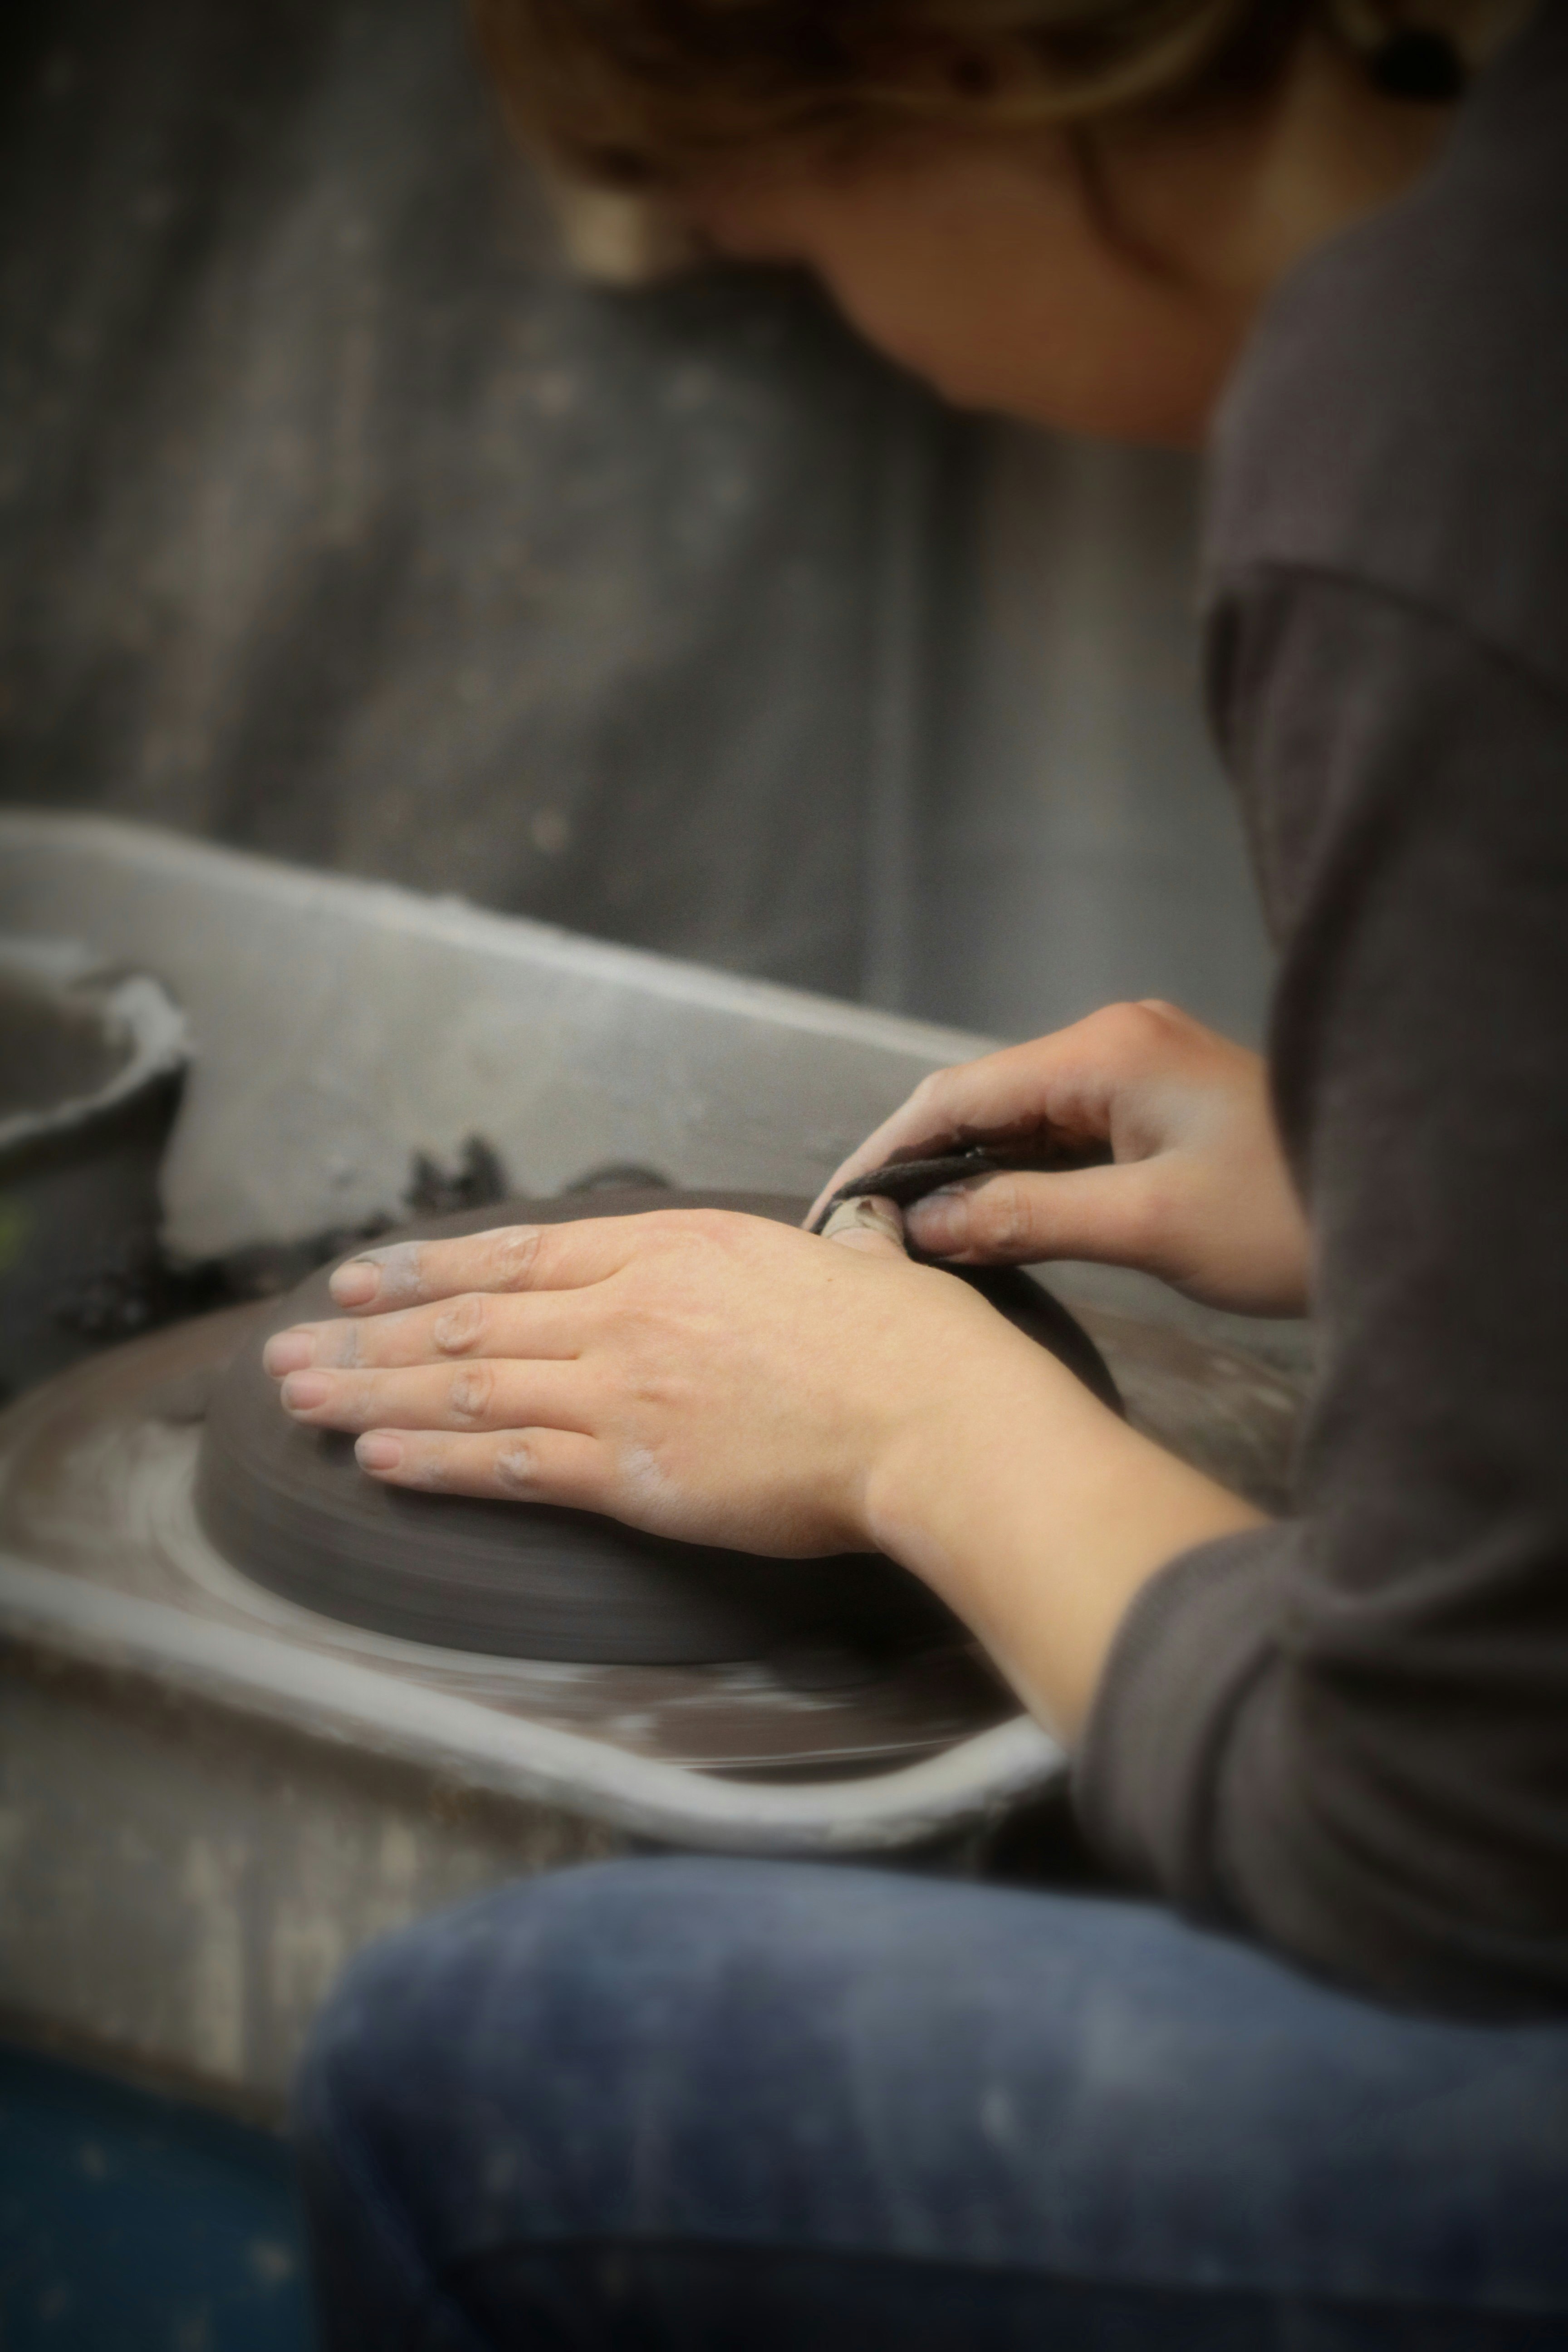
[1420,65]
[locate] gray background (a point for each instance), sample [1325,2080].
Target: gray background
[1081,843]
[337,521]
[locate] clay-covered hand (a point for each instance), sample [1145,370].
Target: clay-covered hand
[695,1374]
[1197,1191]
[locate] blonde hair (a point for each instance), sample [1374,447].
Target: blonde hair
[654,93]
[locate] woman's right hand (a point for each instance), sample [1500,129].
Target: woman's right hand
[1197,1191]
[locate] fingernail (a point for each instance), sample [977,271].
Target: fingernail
[289,1351]
[939,1222]
[378,1452]
[302,1391]
[355,1284]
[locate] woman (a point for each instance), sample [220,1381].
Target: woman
[708,2104]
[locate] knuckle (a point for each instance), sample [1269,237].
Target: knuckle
[664,1247]
[639,1335]
[1131,1034]
[516,1466]
[655,1387]
[937,1090]
[683,1230]
[1006,1213]
[470,1392]
[461,1326]
[701,1225]
[515,1254]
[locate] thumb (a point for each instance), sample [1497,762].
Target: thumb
[1021,1217]
[871,1224]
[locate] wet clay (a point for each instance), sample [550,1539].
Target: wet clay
[289,1505]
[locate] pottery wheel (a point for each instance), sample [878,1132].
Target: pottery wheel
[289,1505]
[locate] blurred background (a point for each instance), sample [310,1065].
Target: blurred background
[344,520]
[340,520]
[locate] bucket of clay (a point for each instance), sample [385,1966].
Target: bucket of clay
[90,1068]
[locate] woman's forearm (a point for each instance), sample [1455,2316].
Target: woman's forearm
[1037,1518]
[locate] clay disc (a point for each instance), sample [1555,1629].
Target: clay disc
[288,1506]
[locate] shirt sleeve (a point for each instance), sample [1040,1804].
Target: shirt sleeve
[1347,1734]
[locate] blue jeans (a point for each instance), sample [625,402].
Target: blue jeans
[724,2107]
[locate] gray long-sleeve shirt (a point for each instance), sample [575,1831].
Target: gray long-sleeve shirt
[1348,1734]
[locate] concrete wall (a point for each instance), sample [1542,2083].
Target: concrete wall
[1079,842]
[340,522]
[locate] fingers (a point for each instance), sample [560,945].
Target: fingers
[1063,1093]
[1105,1215]
[915,1126]
[475,1323]
[508,1258]
[1057,1089]
[458,1397]
[514,1466]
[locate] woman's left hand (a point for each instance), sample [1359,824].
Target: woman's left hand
[696,1373]
[731,1382]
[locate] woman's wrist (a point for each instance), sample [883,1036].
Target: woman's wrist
[1038,1516]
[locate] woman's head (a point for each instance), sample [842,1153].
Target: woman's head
[1065,208]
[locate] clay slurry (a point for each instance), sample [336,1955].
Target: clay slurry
[287,1506]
